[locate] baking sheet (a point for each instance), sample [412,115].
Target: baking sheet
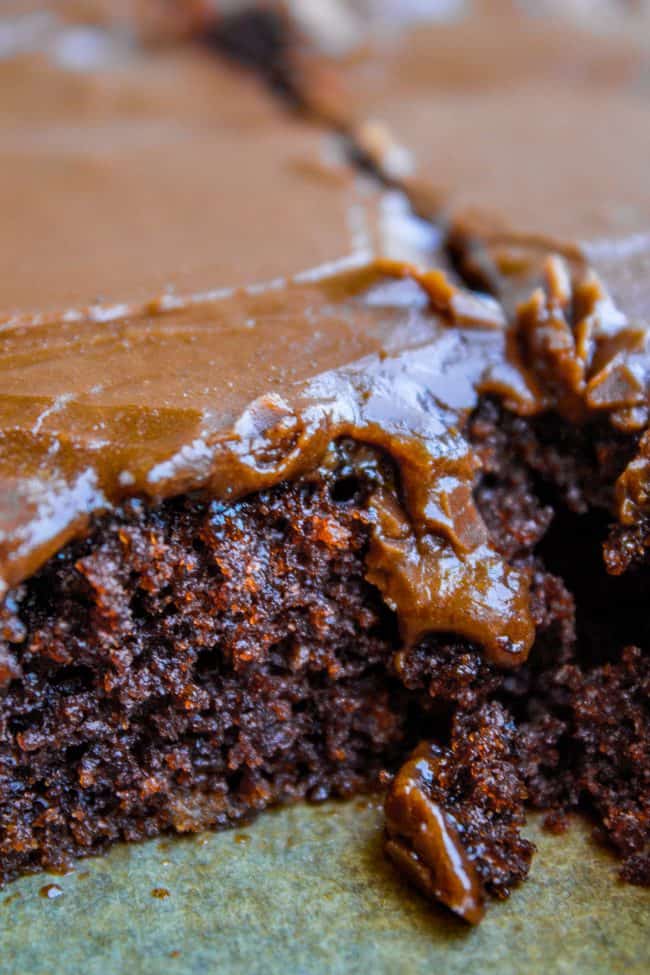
[306,890]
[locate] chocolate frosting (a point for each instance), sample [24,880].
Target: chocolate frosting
[424,840]
[236,394]
[484,46]
[166,172]
[516,129]
[529,138]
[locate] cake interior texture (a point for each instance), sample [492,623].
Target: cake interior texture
[185,666]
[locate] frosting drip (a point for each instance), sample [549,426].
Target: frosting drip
[249,390]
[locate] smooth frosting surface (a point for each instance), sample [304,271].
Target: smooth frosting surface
[164,172]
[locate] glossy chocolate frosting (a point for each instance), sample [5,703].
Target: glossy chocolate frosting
[134,180]
[528,138]
[236,394]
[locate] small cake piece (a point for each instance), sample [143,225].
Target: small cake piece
[453,815]
[601,718]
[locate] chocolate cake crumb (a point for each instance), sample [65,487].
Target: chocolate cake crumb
[561,464]
[453,815]
[592,749]
[194,663]
[627,547]
[580,725]
[199,661]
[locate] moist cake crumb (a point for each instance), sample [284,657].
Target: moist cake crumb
[592,749]
[453,815]
[193,664]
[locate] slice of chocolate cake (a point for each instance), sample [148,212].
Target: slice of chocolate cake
[277,504]
[212,567]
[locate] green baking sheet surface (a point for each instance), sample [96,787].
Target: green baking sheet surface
[306,890]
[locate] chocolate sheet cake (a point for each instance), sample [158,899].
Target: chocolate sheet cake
[298,498]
